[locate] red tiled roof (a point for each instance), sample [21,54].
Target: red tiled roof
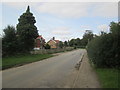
[40,37]
[57,41]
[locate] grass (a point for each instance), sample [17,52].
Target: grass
[108,77]
[18,60]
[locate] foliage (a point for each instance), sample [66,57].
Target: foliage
[72,42]
[78,43]
[9,41]
[0,48]
[26,31]
[60,44]
[75,42]
[115,30]
[108,77]
[47,46]
[17,60]
[87,37]
[65,43]
[104,50]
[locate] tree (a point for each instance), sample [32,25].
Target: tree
[72,42]
[102,33]
[104,50]
[77,42]
[47,46]
[65,43]
[60,44]
[88,36]
[115,31]
[26,31]
[9,41]
[0,46]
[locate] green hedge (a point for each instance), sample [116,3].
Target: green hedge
[103,50]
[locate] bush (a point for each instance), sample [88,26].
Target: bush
[103,50]
[75,47]
[9,41]
[47,46]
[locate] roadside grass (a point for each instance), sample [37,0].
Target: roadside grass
[18,60]
[21,59]
[109,78]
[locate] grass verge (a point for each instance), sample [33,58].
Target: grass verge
[109,78]
[12,61]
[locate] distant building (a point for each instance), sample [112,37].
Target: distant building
[54,44]
[39,43]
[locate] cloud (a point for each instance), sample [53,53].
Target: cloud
[69,10]
[64,38]
[85,27]
[19,5]
[81,9]
[61,31]
[103,27]
[105,9]
[0,18]
[57,14]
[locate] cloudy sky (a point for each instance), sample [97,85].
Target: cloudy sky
[63,20]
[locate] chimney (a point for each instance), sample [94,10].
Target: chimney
[53,38]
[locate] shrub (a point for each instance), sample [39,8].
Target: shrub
[103,50]
[9,41]
[47,46]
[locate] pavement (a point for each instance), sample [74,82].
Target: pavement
[55,72]
[86,77]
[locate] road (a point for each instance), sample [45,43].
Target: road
[54,72]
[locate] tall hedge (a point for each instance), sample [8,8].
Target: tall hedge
[103,50]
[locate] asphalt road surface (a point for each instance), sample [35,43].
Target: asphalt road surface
[54,72]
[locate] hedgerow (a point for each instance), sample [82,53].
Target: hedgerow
[104,50]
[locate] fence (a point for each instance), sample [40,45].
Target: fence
[50,51]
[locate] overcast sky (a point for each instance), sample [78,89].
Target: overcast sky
[64,20]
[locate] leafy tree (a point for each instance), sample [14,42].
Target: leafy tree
[47,46]
[77,42]
[9,41]
[0,47]
[68,43]
[87,37]
[102,33]
[65,43]
[115,31]
[72,42]
[26,31]
[60,44]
